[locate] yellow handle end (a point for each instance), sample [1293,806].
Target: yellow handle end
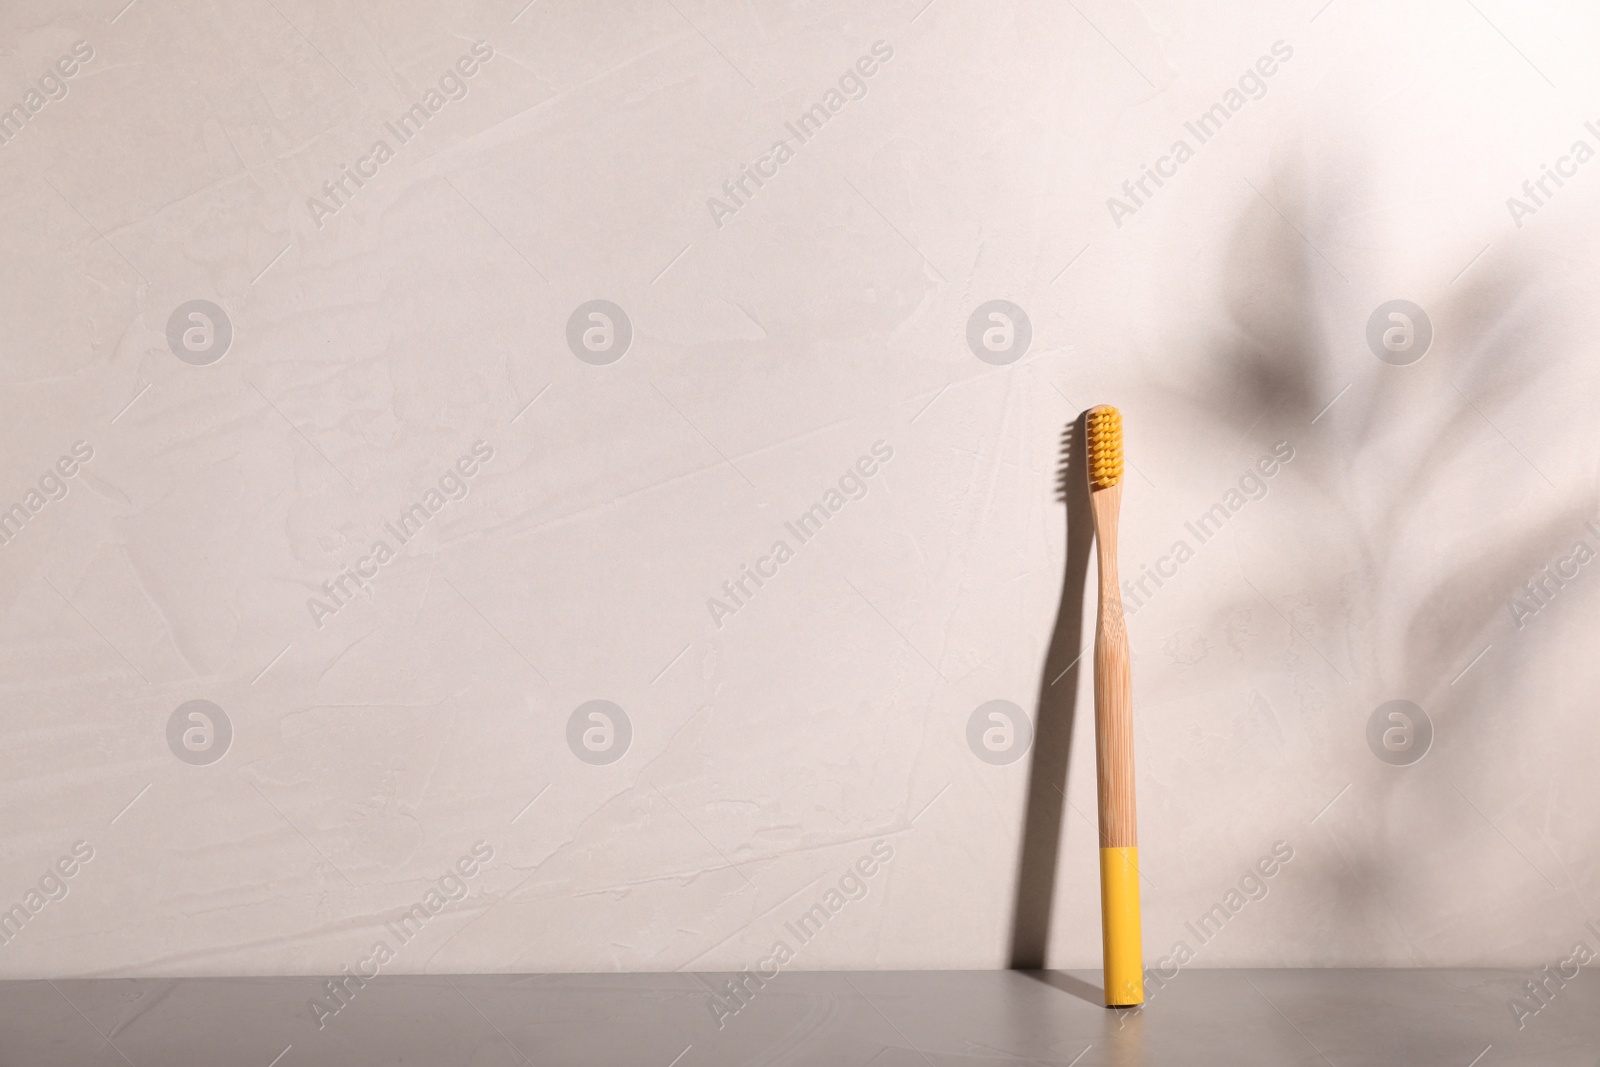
[1119,927]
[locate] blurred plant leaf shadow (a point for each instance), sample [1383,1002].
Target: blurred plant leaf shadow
[1394,463]
[1279,370]
[1053,723]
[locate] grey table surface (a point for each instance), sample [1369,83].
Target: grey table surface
[886,1019]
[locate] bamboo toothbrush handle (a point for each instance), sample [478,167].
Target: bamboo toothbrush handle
[1113,688]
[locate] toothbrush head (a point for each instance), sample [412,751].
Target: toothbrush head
[1104,440]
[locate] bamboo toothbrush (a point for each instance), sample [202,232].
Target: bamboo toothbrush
[1113,725]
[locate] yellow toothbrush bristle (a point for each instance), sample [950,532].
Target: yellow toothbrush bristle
[1105,447]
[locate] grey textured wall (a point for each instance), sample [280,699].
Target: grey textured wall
[311,416]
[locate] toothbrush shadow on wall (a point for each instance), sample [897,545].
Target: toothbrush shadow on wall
[1056,712]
